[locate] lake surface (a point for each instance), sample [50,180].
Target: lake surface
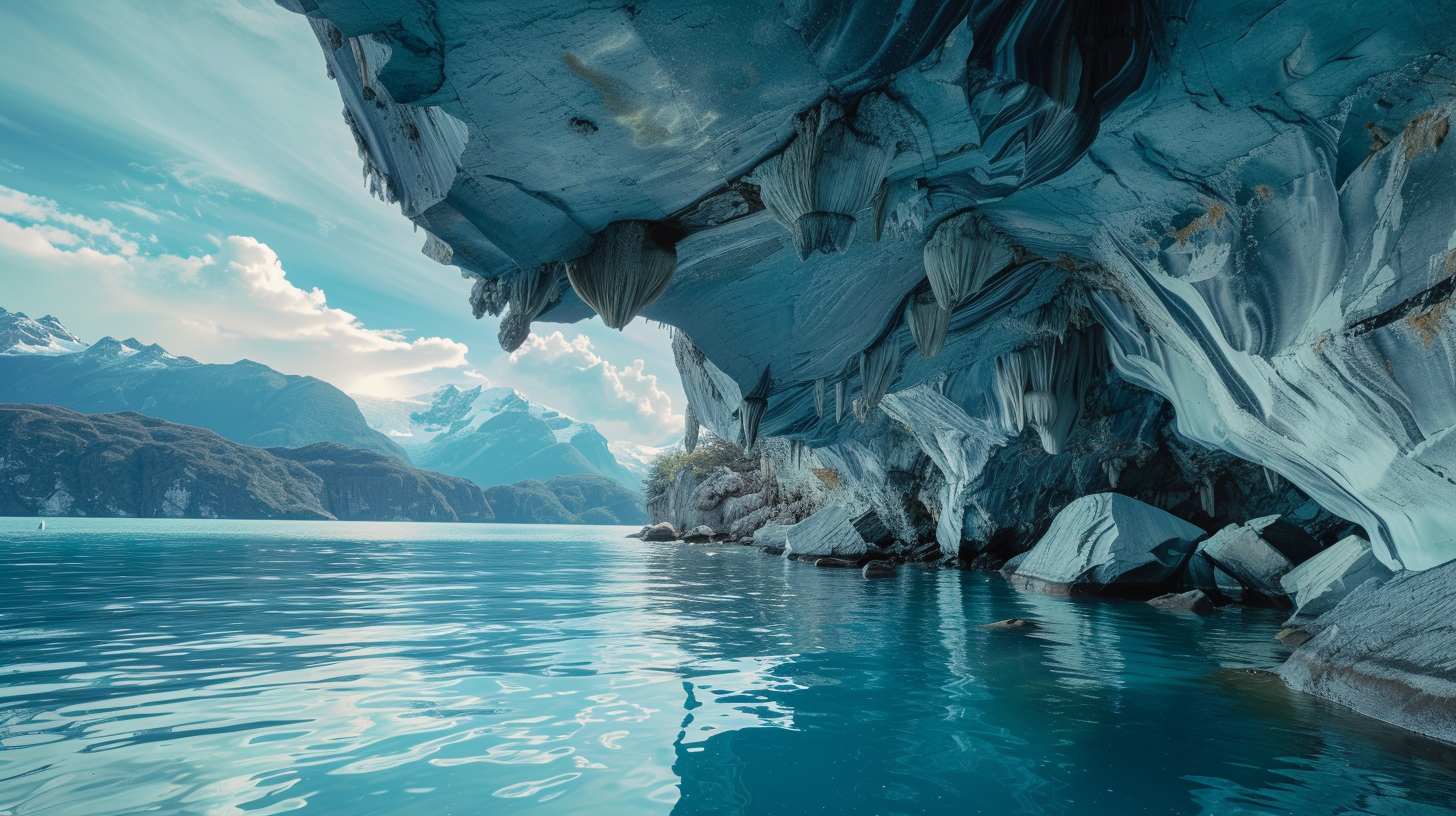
[373,668]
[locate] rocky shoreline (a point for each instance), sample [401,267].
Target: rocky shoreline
[968,265]
[1351,631]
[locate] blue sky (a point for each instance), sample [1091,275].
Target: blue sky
[181,173]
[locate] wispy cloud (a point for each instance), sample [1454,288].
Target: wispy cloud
[571,376]
[135,209]
[236,302]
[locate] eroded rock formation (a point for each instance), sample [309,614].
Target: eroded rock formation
[1194,251]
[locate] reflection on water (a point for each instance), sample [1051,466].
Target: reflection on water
[351,668]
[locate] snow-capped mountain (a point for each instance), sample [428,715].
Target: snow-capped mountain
[20,334]
[42,362]
[496,436]
[637,458]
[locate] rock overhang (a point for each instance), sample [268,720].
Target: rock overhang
[1199,174]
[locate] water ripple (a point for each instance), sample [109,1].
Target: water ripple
[352,668]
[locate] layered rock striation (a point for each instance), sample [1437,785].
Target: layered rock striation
[965,263]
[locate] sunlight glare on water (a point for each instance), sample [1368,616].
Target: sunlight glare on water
[371,668]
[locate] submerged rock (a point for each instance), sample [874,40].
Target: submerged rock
[879,569]
[1010,623]
[1107,539]
[828,532]
[1320,583]
[1388,650]
[1191,601]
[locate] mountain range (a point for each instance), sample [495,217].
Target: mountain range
[540,465]
[495,436]
[247,402]
[56,462]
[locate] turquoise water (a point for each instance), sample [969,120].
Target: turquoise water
[359,668]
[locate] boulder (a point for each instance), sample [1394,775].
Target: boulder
[1291,541]
[774,535]
[1014,563]
[661,531]
[1241,552]
[879,569]
[698,534]
[827,532]
[1204,575]
[1388,650]
[1324,580]
[1191,601]
[1107,539]
[872,528]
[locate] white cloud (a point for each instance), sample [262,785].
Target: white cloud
[137,209]
[25,209]
[625,402]
[236,302]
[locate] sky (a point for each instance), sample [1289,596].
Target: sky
[181,173]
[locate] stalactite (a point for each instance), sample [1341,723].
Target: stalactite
[819,397]
[1272,479]
[1113,469]
[690,429]
[928,322]
[960,255]
[627,270]
[1040,403]
[488,296]
[839,402]
[751,412]
[1205,496]
[829,171]
[532,291]
[1010,386]
[1058,373]
[1041,414]
[877,367]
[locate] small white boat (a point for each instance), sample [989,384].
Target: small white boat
[42,525]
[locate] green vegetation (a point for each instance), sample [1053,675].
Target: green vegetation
[707,458]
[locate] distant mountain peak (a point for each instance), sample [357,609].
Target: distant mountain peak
[20,334]
[133,352]
[461,431]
